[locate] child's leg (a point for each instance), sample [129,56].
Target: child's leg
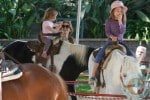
[95,67]
[99,57]
[47,43]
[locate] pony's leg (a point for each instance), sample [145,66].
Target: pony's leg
[96,89]
[52,67]
[71,89]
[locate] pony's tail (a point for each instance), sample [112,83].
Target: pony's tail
[63,95]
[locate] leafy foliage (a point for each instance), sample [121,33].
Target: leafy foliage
[18,16]
[138,26]
[138,22]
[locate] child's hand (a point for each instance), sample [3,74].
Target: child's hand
[113,38]
[120,19]
[60,22]
[58,25]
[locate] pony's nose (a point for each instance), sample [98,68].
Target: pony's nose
[124,75]
[140,91]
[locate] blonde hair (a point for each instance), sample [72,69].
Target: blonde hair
[124,19]
[49,13]
[70,26]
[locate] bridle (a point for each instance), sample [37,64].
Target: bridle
[126,87]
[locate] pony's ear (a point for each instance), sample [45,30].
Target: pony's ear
[2,55]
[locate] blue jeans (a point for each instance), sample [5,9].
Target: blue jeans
[101,52]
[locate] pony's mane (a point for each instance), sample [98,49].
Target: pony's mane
[79,51]
[131,61]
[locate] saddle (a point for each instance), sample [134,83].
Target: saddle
[9,70]
[105,60]
[55,44]
[38,45]
[109,50]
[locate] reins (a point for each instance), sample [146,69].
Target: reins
[12,58]
[125,86]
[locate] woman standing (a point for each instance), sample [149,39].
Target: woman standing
[66,31]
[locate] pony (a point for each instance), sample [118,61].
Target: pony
[70,61]
[36,83]
[119,74]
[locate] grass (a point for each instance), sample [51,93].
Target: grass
[84,87]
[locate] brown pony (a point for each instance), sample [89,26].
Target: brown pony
[36,84]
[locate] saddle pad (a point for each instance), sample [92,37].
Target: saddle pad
[11,70]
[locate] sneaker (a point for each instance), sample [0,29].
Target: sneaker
[92,80]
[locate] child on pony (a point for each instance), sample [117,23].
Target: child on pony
[49,29]
[115,28]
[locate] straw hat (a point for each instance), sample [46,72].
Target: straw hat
[118,3]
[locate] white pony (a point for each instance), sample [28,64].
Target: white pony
[121,75]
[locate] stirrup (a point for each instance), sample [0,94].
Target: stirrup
[92,80]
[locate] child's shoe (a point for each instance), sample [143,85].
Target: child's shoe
[92,80]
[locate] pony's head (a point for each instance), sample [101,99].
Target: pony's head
[131,78]
[121,74]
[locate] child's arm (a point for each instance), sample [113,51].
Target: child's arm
[58,24]
[108,32]
[53,30]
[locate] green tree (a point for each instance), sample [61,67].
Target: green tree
[17,16]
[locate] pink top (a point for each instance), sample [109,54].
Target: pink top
[45,25]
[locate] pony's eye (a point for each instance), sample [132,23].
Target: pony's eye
[124,75]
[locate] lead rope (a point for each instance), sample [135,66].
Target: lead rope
[12,58]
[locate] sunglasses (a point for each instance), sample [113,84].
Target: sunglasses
[67,26]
